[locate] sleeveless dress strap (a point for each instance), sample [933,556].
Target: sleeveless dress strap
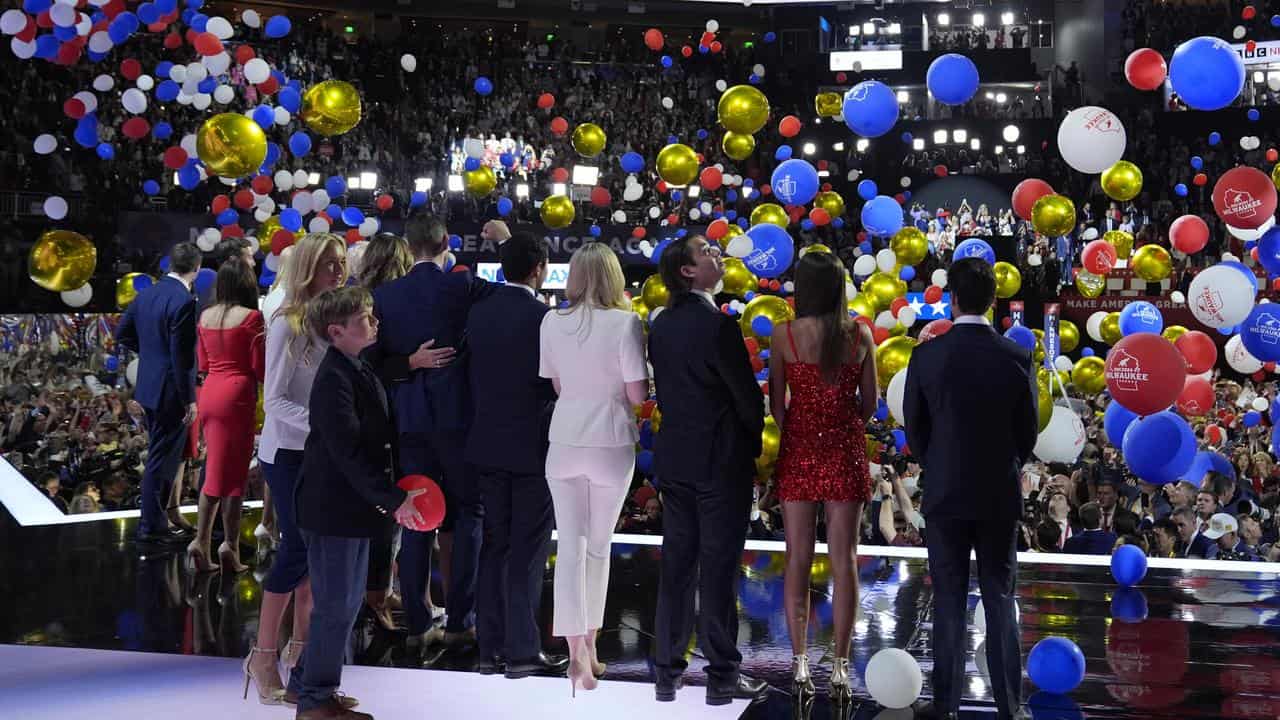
[792,341]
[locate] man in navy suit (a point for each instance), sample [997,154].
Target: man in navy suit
[970,406]
[1191,532]
[1092,540]
[712,420]
[432,406]
[507,444]
[160,325]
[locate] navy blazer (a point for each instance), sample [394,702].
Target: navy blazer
[512,403]
[426,304]
[160,325]
[347,486]
[1202,547]
[971,420]
[712,407]
[1090,542]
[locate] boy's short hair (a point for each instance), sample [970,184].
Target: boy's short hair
[335,307]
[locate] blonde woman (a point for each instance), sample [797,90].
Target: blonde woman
[292,358]
[592,350]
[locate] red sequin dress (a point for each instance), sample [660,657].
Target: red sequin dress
[823,453]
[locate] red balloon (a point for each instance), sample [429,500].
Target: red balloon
[1027,193]
[232,231]
[244,54]
[1198,350]
[1250,45]
[789,126]
[1189,234]
[136,128]
[775,286]
[73,108]
[1006,323]
[935,329]
[385,202]
[219,203]
[600,197]
[1145,69]
[716,46]
[879,334]
[546,101]
[559,125]
[932,294]
[638,232]
[819,216]
[686,51]
[131,69]
[897,305]
[762,283]
[1272,155]
[1196,398]
[173,41]
[707,38]
[841,78]
[1249,12]
[1200,180]
[244,199]
[175,158]
[262,184]
[653,39]
[560,175]
[1098,257]
[352,236]
[270,86]
[765,189]
[280,240]
[1244,197]
[940,170]
[711,178]
[69,53]
[208,44]
[1145,373]
[1213,434]
[717,229]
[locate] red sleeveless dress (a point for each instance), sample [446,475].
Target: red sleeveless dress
[823,456]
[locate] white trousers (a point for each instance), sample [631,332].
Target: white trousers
[588,487]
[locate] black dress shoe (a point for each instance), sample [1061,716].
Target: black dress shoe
[542,664]
[168,536]
[927,711]
[491,666]
[744,689]
[664,688]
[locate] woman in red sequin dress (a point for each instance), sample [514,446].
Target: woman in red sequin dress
[827,364]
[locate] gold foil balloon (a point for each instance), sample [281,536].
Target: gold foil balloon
[1037,355]
[738,146]
[1045,376]
[910,245]
[1173,332]
[1152,263]
[1044,407]
[770,213]
[1122,182]
[1121,241]
[1090,285]
[125,289]
[588,139]
[231,145]
[828,104]
[62,260]
[770,306]
[677,164]
[1068,336]
[1089,375]
[732,232]
[653,293]
[863,305]
[891,356]
[743,109]
[738,279]
[479,182]
[770,440]
[881,289]
[557,212]
[1008,279]
[639,307]
[1053,215]
[1275,175]
[1109,329]
[831,202]
[331,107]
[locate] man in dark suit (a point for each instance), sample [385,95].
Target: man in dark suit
[160,325]
[712,420]
[1092,540]
[970,406]
[345,491]
[1191,533]
[507,444]
[432,407]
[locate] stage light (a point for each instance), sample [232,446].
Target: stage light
[1001,98]
[979,19]
[917,144]
[838,147]
[175,178]
[585,174]
[422,185]
[1022,149]
[522,190]
[903,96]
[853,31]
[557,188]
[862,145]
[810,148]
[944,19]
[990,95]
[313,179]
[1010,133]
[975,144]
[895,29]
[868,28]
[454,183]
[999,149]
[1006,18]
[353,182]
[939,137]
[694,191]
[959,136]
[368,180]
[1259,77]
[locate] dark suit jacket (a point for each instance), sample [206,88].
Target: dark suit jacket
[1090,542]
[347,486]
[512,403]
[427,304]
[1202,547]
[712,408]
[970,406]
[160,325]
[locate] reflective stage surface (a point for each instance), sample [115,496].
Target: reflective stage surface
[1209,646]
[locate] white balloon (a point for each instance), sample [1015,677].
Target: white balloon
[905,181]
[265,202]
[1238,32]
[1035,260]
[283,180]
[668,103]
[282,116]
[907,316]
[320,198]
[864,265]
[251,18]
[45,144]
[134,101]
[474,148]
[55,207]
[894,393]
[197,72]
[886,260]
[188,143]
[739,246]
[302,202]
[131,372]
[939,278]
[78,297]
[758,69]
[1063,364]
[185,98]
[408,62]
[980,616]
[261,215]
[1093,326]
[713,26]
[318,224]
[190,88]
[63,15]
[22,50]
[103,83]
[100,42]
[619,216]
[1273,82]
[223,94]
[1091,139]
[1090,234]
[84,25]
[654,212]
[1247,235]
[1220,296]
[205,243]
[1063,439]
[202,101]
[178,73]
[272,261]
[721,85]
[300,179]
[217,64]
[368,227]
[1244,143]
[1177,297]
[886,320]
[257,71]
[631,193]
[13,21]
[1260,404]
[893,678]
[220,27]
[1240,359]
[694,213]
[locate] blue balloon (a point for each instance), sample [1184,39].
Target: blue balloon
[151,187]
[162,131]
[595,230]
[1056,664]
[188,177]
[632,162]
[290,99]
[1253,114]
[1022,335]
[417,199]
[86,132]
[148,13]
[754,79]
[1197,162]
[701,134]
[1215,137]
[1260,332]
[667,61]
[867,189]
[291,220]
[205,279]
[278,26]
[1087,352]
[795,182]
[166,6]
[1128,565]
[899,439]
[1140,316]
[112,363]
[1159,448]
[352,216]
[265,116]
[142,282]
[1115,421]
[782,153]
[106,151]
[228,217]
[870,108]
[1251,418]
[167,91]
[762,326]
[677,195]
[335,186]
[507,159]
[119,31]
[1129,605]
[771,36]
[952,78]
[273,155]
[300,143]
[504,206]
[974,247]
[47,46]
[267,279]
[35,7]
[662,245]
[772,250]
[1206,73]
[1204,461]
[807,225]
[907,138]
[334,211]
[882,216]
[199,22]
[908,273]
[207,85]
[732,195]
[1180,190]
[471,164]
[483,85]
[455,242]
[882,410]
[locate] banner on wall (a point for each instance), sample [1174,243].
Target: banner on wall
[1017,312]
[1051,349]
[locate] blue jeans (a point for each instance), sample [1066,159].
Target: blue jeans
[338,571]
[289,568]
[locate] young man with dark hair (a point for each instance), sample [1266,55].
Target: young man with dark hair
[1194,543]
[233,247]
[1092,540]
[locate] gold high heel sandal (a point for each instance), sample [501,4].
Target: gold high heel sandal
[802,679]
[266,695]
[840,678]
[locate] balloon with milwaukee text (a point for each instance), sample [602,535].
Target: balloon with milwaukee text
[870,108]
[1091,139]
[772,250]
[1244,197]
[1260,332]
[1220,296]
[1239,358]
[1145,373]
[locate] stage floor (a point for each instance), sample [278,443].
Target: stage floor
[1209,646]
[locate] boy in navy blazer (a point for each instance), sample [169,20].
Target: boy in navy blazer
[347,487]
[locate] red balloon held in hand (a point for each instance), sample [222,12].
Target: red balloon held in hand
[430,504]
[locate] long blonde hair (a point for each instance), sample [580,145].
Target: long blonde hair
[306,260]
[595,283]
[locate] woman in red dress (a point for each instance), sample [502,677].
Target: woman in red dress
[828,365]
[230,354]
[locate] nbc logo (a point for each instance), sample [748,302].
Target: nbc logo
[1125,370]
